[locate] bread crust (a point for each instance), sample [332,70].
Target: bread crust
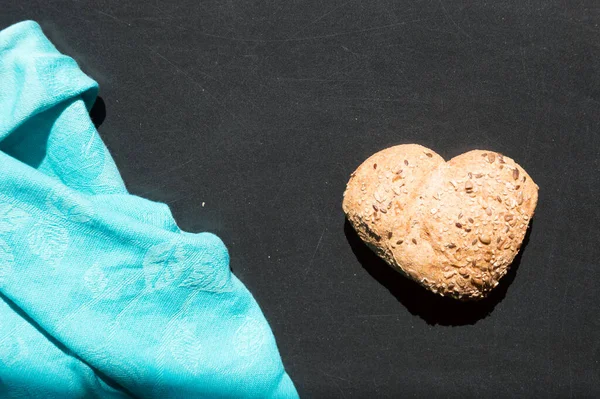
[454,227]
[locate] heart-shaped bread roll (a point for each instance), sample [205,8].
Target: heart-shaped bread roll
[454,227]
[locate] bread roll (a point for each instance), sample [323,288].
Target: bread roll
[454,227]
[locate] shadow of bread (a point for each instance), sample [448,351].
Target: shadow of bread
[432,308]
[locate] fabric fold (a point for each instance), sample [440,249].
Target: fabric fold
[102,295]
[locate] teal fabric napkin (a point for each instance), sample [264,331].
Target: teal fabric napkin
[101,294]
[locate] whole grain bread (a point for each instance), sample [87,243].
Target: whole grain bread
[454,227]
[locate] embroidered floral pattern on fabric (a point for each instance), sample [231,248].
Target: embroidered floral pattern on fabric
[164,264]
[62,203]
[175,264]
[95,280]
[6,260]
[79,156]
[185,347]
[109,180]
[60,79]
[12,217]
[49,241]
[249,337]
[12,350]
[206,277]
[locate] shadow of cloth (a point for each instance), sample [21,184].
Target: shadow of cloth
[98,112]
[432,308]
[29,142]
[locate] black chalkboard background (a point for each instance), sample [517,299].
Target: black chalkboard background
[260,110]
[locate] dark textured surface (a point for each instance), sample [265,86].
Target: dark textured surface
[262,109]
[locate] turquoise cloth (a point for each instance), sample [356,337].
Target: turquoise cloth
[101,294]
